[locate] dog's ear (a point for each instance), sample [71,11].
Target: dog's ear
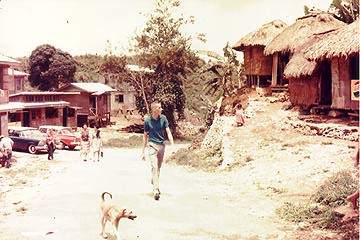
[124,211]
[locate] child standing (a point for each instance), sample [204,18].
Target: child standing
[85,143]
[239,115]
[96,145]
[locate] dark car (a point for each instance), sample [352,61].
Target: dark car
[27,139]
[65,136]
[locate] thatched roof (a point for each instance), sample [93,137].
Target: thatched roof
[298,65]
[298,33]
[261,37]
[340,43]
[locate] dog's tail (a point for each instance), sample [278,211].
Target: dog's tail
[103,195]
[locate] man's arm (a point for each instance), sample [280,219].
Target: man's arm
[145,140]
[169,136]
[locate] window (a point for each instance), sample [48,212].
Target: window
[48,98]
[51,113]
[119,98]
[18,85]
[55,98]
[36,113]
[39,98]
[29,98]
[354,67]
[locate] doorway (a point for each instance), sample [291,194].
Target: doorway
[325,83]
[65,115]
[26,118]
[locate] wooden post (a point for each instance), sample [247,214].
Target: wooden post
[274,69]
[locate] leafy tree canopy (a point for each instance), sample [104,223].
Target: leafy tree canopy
[344,10]
[50,67]
[162,46]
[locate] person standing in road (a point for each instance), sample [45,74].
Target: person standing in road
[154,143]
[85,143]
[50,136]
[96,145]
[6,145]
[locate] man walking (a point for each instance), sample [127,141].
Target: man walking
[154,143]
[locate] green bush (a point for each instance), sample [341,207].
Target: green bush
[331,194]
[333,191]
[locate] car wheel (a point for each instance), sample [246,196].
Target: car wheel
[62,145]
[31,149]
[72,147]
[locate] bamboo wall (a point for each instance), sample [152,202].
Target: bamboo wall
[304,91]
[256,63]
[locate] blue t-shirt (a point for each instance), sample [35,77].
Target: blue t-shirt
[156,128]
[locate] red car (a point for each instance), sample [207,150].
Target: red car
[65,135]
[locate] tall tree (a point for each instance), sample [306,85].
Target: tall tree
[50,67]
[345,10]
[162,46]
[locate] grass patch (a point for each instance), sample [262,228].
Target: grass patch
[323,217]
[202,160]
[333,191]
[331,194]
[124,142]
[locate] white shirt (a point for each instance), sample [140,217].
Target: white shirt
[6,143]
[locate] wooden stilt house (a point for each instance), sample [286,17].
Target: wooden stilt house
[309,82]
[340,51]
[258,67]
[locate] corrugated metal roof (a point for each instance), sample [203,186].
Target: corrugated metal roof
[17,73]
[11,106]
[43,93]
[45,104]
[94,87]
[4,59]
[14,106]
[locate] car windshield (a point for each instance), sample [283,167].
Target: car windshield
[66,131]
[32,134]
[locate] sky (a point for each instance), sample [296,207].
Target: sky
[85,26]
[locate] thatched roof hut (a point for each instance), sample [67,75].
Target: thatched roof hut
[258,67]
[294,36]
[343,42]
[262,36]
[299,65]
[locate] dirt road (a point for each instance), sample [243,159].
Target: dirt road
[193,205]
[63,201]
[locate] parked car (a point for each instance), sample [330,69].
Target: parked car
[27,139]
[65,136]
